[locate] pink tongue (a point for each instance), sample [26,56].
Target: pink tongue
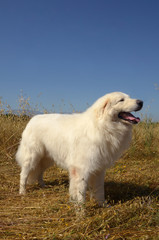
[129,116]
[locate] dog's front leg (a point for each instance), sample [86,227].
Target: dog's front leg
[96,187]
[78,185]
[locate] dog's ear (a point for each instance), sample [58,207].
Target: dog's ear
[104,106]
[100,110]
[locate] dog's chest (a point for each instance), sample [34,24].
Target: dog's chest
[114,144]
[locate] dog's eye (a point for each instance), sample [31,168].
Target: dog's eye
[121,100]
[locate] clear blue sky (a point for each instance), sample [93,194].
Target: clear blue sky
[78,50]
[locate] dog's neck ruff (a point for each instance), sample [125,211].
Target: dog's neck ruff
[119,134]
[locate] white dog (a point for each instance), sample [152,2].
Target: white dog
[85,144]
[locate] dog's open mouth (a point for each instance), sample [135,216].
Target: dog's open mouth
[129,117]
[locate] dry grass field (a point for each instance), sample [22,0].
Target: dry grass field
[131,188]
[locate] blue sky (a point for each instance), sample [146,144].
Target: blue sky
[75,51]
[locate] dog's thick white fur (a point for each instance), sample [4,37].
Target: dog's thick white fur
[85,144]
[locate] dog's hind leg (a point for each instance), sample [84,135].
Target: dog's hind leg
[23,179]
[29,171]
[40,180]
[44,163]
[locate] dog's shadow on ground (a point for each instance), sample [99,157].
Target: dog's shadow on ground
[57,182]
[115,191]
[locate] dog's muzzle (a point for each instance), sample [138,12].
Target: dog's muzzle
[129,117]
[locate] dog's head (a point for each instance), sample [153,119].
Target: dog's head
[117,107]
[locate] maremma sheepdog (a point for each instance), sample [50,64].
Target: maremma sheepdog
[85,144]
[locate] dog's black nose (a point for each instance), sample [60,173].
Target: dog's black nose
[139,103]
